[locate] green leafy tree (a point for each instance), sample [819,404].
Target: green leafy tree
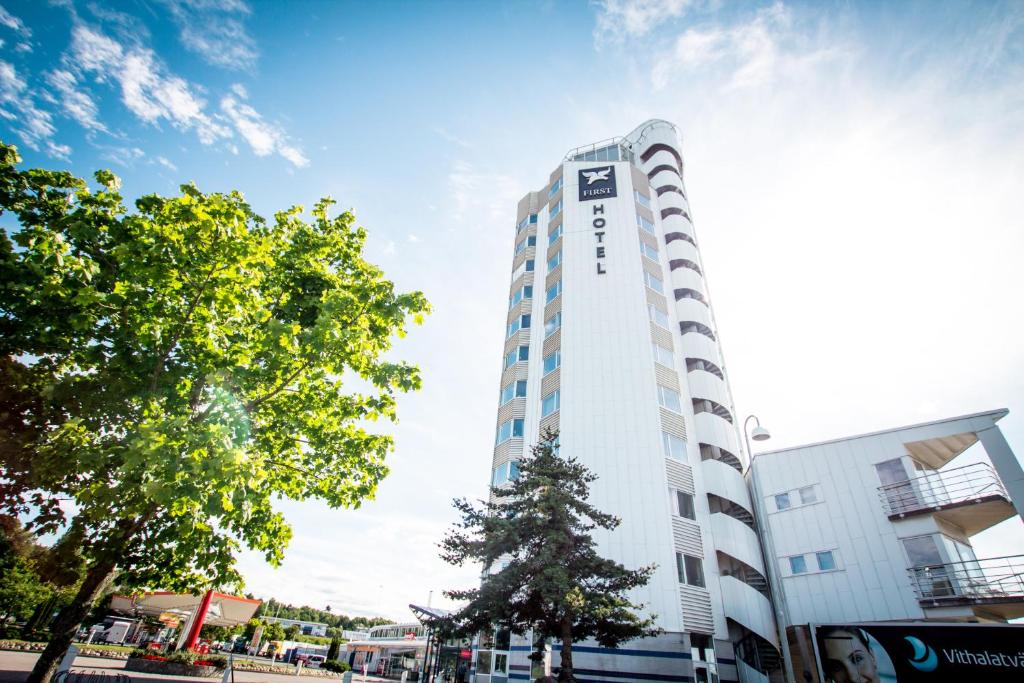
[273,631]
[555,582]
[180,367]
[292,632]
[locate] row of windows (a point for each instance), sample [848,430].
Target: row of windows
[552,292]
[529,220]
[530,241]
[691,569]
[554,210]
[805,495]
[552,361]
[524,267]
[669,399]
[520,323]
[642,199]
[512,390]
[674,447]
[653,282]
[662,355]
[509,429]
[516,355]
[550,403]
[645,224]
[555,187]
[657,316]
[505,472]
[524,292]
[555,260]
[825,561]
[555,234]
[648,251]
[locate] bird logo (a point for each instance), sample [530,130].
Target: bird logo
[593,176]
[924,658]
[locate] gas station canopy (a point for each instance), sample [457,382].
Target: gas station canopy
[225,610]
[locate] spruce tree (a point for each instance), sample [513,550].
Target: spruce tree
[541,569]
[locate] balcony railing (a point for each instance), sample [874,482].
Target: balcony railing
[936,490]
[996,579]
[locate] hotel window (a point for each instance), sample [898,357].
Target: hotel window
[782,501]
[505,472]
[797,565]
[807,495]
[669,399]
[520,323]
[531,241]
[645,224]
[520,246]
[662,355]
[555,259]
[674,447]
[524,267]
[648,251]
[684,505]
[658,316]
[555,187]
[642,199]
[524,292]
[555,234]
[515,389]
[552,361]
[553,211]
[509,429]
[690,569]
[529,220]
[825,560]
[553,292]
[549,403]
[652,282]
[516,355]
[552,324]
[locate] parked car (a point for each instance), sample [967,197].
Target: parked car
[314,661]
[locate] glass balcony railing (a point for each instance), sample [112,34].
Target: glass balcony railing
[989,580]
[935,490]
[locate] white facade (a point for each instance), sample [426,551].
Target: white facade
[877,527]
[639,395]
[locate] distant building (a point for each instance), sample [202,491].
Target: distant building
[389,649]
[306,628]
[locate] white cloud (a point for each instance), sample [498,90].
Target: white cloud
[77,103]
[413,238]
[123,156]
[751,53]
[14,23]
[33,126]
[264,138]
[467,187]
[619,19]
[166,163]
[213,29]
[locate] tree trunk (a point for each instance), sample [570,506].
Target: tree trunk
[69,620]
[565,674]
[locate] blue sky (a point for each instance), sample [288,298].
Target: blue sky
[855,173]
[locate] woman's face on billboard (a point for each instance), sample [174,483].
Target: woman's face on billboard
[848,660]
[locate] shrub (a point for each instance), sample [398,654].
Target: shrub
[335,666]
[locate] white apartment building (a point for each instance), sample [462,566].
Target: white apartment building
[611,340]
[878,527]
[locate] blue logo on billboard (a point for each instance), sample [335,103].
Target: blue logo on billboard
[924,658]
[597,183]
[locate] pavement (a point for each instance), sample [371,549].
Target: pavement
[15,666]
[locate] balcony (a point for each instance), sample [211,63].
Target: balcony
[994,584]
[971,497]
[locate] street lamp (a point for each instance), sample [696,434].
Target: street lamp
[759,433]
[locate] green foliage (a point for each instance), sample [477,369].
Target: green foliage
[292,632]
[332,651]
[335,666]
[555,582]
[175,370]
[305,613]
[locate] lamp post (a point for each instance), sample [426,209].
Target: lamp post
[759,433]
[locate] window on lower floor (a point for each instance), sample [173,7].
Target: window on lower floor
[555,259]
[512,390]
[690,569]
[657,316]
[645,224]
[505,472]
[684,505]
[552,292]
[826,560]
[549,403]
[662,355]
[552,324]
[782,501]
[520,323]
[555,234]
[552,361]
[797,565]
[509,429]
[669,399]
[653,282]
[673,446]
[648,251]
[807,495]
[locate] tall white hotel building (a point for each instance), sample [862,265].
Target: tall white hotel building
[611,340]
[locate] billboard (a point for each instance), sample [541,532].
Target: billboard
[917,652]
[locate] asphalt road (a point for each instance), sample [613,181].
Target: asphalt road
[14,668]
